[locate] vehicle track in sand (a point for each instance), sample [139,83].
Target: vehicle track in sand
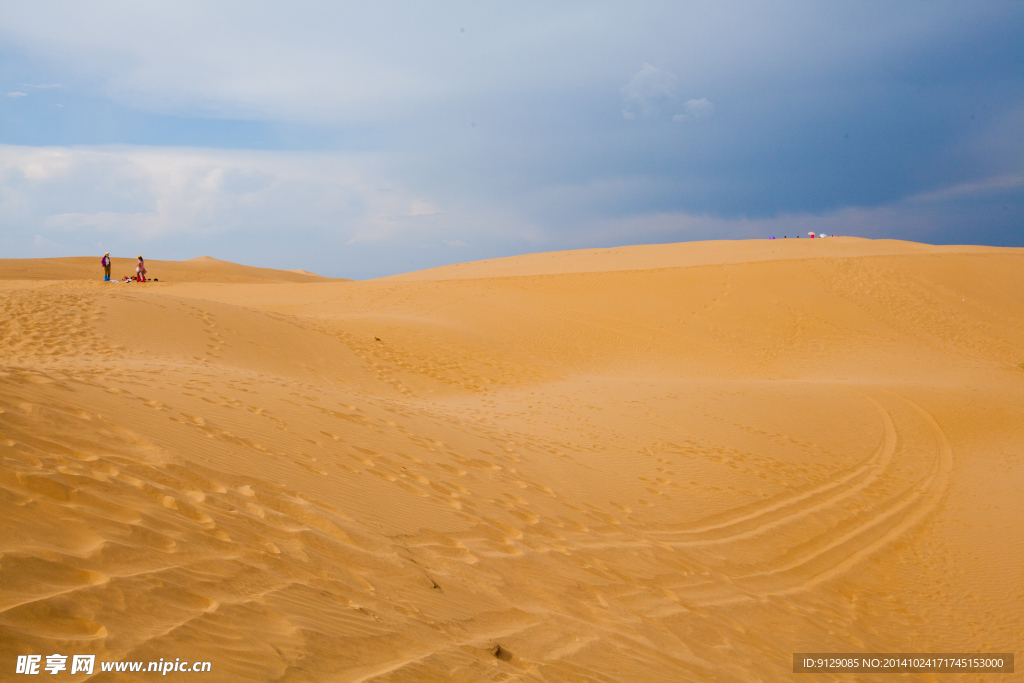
[807,538]
[779,513]
[859,533]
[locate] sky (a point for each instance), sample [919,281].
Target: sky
[366,140]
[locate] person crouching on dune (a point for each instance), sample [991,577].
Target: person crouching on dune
[140,270]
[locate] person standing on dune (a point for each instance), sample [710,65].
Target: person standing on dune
[105,262]
[140,270]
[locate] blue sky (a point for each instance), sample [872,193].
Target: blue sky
[360,141]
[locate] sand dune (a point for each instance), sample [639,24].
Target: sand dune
[201,269]
[651,256]
[671,463]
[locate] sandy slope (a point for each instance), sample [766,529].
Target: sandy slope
[670,463]
[201,269]
[651,256]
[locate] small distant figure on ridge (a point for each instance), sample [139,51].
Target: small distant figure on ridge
[140,270]
[105,262]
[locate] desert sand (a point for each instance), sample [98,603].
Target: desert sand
[661,463]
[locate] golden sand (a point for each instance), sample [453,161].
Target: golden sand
[662,463]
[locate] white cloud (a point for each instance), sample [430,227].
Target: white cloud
[312,63]
[42,86]
[650,88]
[16,93]
[695,110]
[149,192]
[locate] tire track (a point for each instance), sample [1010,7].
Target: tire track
[800,506]
[869,532]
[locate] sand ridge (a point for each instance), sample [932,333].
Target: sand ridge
[685,254]
[625,473]
[199,269]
